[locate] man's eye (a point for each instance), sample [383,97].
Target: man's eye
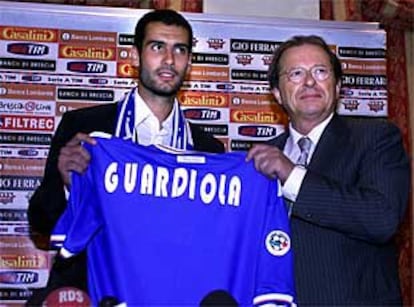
[181,50]
[321,70]
[156,47]
[296,73]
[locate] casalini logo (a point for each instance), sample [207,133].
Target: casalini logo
[28,34]
[19,277]
[87,52]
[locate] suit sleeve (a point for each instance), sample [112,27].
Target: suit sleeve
[49,201]
[366,196]
[205,142]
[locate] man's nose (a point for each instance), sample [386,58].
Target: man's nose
[309,78]
[169,56]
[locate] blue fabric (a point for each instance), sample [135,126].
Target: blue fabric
[165,228]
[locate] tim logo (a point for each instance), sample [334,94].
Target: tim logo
[19,277]
[202,114]
[28,152]
[257,131]
[31,78]
[28,49]
[346,92]
[87,67]
[99,81]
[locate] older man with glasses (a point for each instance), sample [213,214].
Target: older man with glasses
[346,181]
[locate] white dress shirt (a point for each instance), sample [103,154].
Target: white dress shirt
[147,126]
[293,183]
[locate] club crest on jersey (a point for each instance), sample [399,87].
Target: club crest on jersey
[278,243]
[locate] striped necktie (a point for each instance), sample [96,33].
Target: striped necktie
[304,144]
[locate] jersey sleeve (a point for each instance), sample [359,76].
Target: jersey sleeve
[81,218]
[275,279]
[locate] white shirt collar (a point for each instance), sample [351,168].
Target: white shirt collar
[314,134]
[292,150]
[147,125]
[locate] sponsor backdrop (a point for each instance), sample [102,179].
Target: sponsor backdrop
[55,58]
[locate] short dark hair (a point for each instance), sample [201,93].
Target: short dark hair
[165,16]
[296,41]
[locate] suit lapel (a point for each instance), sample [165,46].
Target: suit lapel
[332,143]
[107,120]
[280,140]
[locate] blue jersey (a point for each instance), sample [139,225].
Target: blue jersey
[168,228]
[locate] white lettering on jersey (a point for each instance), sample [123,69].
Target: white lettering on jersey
[161,182]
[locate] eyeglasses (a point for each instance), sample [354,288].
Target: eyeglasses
[299,74]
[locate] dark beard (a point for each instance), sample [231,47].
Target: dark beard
[146,81]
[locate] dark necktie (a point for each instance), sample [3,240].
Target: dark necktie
[305,144]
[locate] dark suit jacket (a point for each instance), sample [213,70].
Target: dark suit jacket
[49,202]
[350,204]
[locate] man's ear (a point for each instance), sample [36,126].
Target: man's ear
[338,89]
[189,64]
[137,56]
[276,94]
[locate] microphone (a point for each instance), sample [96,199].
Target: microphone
[111,301]
[108,301]
[218,298]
